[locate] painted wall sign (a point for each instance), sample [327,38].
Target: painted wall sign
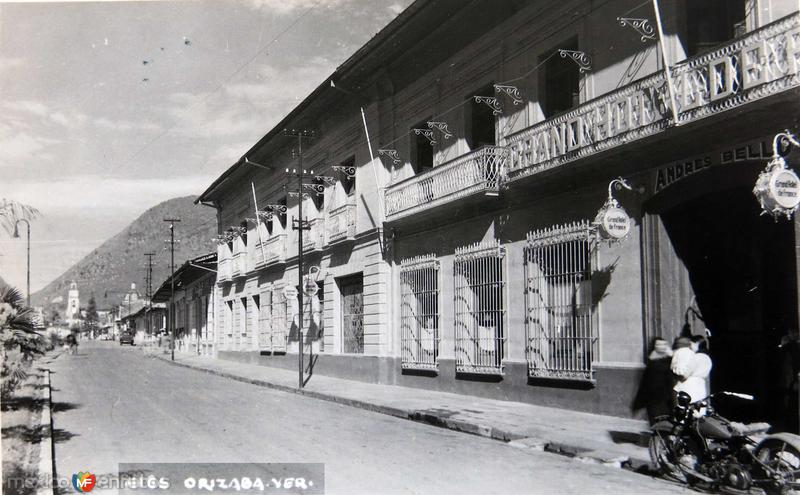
[615,223]
[756,151]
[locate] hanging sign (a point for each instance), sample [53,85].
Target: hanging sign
[612,220]
[778,190]
[615,223]
[310,287]
[290,292]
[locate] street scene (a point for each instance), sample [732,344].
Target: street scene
[400,246]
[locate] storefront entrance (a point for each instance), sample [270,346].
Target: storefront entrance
[742,272]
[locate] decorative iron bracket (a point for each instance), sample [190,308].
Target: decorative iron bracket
[441,127]
[279,209]
[391,154]
[510,91]
[490,101]
[350,172]
[295,194]
[642,26]
[319,189]
[326,180]
[581,58]
[428,133]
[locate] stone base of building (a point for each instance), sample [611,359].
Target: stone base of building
[611,393]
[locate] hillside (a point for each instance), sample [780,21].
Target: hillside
[109,270]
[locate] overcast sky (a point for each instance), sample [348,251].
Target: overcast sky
[109,108]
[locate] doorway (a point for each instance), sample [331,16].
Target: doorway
[742,269]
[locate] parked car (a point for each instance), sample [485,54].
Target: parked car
[126,338]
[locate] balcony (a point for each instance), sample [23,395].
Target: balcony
[239,264]
[313,239]
[341,224]
[270,252]
[224,270]
[478,172]
[752,67]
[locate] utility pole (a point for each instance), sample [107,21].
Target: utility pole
[300,225]
[149,290]
[172,242]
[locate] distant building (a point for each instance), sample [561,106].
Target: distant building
[73,312]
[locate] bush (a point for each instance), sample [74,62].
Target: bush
[20,341]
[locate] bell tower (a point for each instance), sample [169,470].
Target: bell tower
[73,304]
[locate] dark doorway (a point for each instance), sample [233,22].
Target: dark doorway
[742,269]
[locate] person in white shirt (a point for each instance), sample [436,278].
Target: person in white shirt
[692,367]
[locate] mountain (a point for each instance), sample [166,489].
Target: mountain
[110,269]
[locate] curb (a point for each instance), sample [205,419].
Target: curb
[46,463]
[577,452]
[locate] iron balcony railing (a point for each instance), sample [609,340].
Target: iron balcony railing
[478,172]
[239,264]
[341,223]
[224,270]
[760,64]
[313,239]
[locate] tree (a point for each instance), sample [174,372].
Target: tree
[92,320]
[20,341]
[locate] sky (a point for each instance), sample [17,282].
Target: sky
[109,108]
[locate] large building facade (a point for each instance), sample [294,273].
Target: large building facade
[465,153]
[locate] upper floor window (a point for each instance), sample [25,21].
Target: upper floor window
[712,22]
[421,150]
[560,82]
[480,121]
[244,234]
[281,217]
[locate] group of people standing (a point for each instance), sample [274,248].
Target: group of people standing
[684,366]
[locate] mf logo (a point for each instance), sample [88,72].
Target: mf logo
[83,482]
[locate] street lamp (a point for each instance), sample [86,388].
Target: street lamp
[16,236]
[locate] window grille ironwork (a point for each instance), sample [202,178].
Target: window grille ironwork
[419,312]
[280,321]
[265,320]
[352,289]
[561,317]
[480,337]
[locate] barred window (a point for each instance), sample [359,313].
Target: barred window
[352,290]
[419,312]
[561,324]
[480,337]
[265,320]
[279,331]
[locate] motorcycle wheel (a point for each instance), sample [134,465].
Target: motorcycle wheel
[663,457]
[783,458]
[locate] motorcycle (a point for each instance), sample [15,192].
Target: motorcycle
[698,447]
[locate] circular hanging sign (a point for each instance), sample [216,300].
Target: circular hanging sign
[310,287]
[784,186]
[289,292]
[778,189]
[615,223]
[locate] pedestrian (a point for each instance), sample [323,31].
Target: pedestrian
[72,341]
[691,365]
[655,388]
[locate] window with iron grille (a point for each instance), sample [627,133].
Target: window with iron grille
[279,330]
[265,320]
[352,289]
[480,337]
[419,312]
[561,323]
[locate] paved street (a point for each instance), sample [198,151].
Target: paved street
[114,405]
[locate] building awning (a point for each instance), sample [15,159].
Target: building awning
[187,273]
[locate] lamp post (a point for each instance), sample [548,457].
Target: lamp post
[16,235]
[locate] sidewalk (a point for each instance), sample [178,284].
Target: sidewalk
[592,437]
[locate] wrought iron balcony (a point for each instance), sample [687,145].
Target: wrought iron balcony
[272,251]
[478,172]
[760,64]
[224,270]
[313,239]
[239,264]
[341,223]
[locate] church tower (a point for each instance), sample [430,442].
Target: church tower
[73,304]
